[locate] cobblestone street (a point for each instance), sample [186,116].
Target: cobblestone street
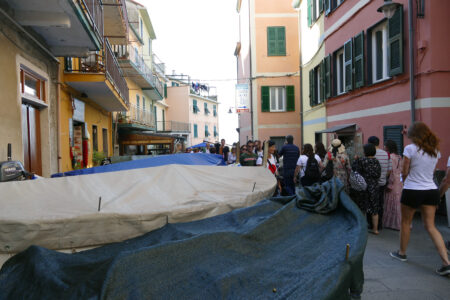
[387,278]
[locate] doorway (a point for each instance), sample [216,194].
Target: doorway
[31,139]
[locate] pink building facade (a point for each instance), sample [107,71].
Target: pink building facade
[367,83]
[268,61]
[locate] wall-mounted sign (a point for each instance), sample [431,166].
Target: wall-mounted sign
[242,98]
[78,111]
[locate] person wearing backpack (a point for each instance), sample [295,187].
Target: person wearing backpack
[309,166]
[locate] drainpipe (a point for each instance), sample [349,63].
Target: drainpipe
[302,129]
[58,117]
[251,75]
[411,61]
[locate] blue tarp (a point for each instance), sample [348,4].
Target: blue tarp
[272,250]
[201,145]
[181,159]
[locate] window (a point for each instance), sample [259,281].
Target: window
[94,138]
[315,8]
[379,53]
[143,103]
[137,101]
[330,5]
[277,98]
[206,131]
[195,131]
[194,106]
[394,133]
[215,131]
[316,93]
[385,48]
[32,85]
[165,90]
[206,109]
[155,114]
[276,41]
[339,74]
[214,110]
[149,46]
[141,29]
[105,141]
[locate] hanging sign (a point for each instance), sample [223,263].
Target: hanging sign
[242,98]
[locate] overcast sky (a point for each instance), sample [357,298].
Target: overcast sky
[198,38]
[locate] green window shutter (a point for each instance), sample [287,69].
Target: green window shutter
[314,9]
[206,130]
[309,8]
[327,79]
[322,81]
[165,90]
[281,41]
[327,7]
[271,41]
[195,131]
[395,28]
[205,108]
[194,104]
[379,55]
[265,98]
[311,88]
[290,98]
[358,50]
[320,6]
[348,66]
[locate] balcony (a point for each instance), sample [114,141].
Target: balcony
[172,127]
[99,77]
[116,21]
[69,28]
[137,118]
[158,66]
[204,91]
[135,68]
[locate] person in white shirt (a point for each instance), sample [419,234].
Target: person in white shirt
[308,152]
[232,155]
[420,191]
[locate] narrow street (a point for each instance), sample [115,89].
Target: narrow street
[387,278]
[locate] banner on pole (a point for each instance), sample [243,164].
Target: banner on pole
[242,98]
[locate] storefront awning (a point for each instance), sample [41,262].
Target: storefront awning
[345,128]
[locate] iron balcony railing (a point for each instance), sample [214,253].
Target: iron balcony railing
[95,10]
[158,65]
[138,115]
[173,126]
[128,52]
[101,62]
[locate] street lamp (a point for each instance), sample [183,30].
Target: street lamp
[388,8]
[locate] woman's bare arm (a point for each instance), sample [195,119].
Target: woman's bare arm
[406,167]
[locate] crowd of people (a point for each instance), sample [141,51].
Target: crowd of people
[394,186]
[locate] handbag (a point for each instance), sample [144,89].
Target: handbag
[357,182]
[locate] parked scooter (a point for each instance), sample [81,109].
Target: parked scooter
[11,170]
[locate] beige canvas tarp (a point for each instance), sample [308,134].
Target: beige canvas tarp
[61,213]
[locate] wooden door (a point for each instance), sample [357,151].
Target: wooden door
[31,138]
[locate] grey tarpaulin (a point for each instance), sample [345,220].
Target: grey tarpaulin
[267,251]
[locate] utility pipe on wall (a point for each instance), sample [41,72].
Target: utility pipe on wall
[411,62]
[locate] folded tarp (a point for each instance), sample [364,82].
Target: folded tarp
[180,159]
[267,251]
[61,213]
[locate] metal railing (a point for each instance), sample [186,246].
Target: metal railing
[173,126]
[114,72]
[101,62]
[125,14]
[95,10]
[158,65]
[132,54]
[136,114]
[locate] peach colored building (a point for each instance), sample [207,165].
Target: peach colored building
[268,61]
[193,111]
[370,80]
